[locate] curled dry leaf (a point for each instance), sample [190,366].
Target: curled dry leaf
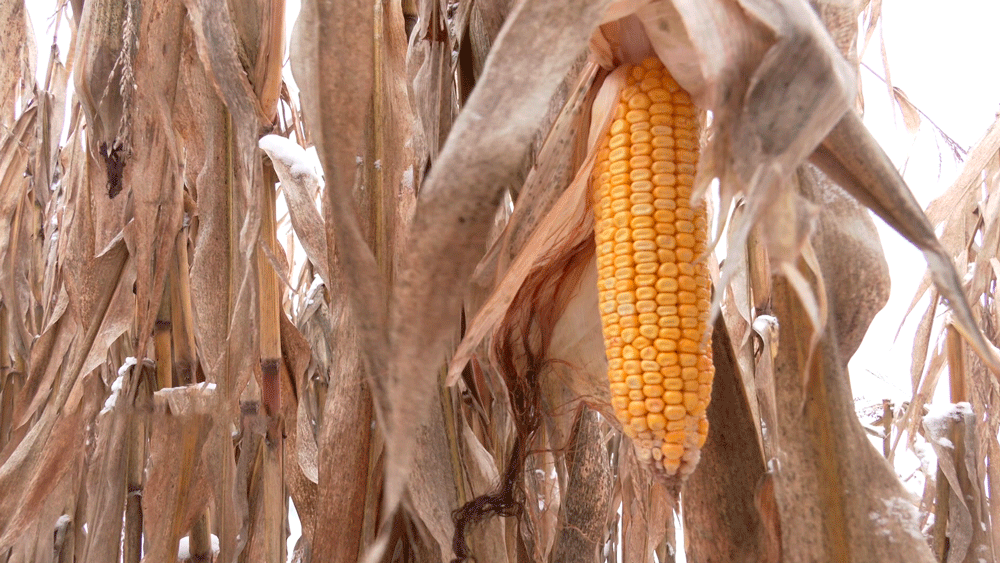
[301,184]
[956,462]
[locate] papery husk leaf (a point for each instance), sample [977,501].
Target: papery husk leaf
[554,168]
[578,342]
[460,197]
[567,224]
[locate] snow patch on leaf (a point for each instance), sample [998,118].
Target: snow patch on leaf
[898,512]
[184,547]
[288,152]
[116,386]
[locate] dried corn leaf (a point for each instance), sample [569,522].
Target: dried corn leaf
[18,56]
[157,204]
[300,184]
[460,196]
[105,44]
[15,154]
[332,64]
[178,473]
[911,115]
[50,453]
[720,521]
[432,494]
[344,442]
[822,449]
[964,516]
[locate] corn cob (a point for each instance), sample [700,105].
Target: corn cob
[654,291]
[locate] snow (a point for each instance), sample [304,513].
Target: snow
[939,414]
[925,454]
[116,386]
[408,179]
[294,529]
[129,362]
[184,548]
[945,442]
[289,153]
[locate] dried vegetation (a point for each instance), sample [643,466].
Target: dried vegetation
[431,382]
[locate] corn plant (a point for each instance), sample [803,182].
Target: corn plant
[492,324]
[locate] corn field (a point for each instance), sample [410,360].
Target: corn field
[412,344]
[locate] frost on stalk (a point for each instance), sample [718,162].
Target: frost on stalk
[939,419]
[899,513]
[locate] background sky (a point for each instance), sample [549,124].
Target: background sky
[937,55]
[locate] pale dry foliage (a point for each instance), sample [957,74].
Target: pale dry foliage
[431,383]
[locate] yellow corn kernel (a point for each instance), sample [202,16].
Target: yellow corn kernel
[654,292]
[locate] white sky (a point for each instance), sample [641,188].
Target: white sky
[936,53]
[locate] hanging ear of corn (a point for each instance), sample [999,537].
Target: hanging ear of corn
[653,284]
